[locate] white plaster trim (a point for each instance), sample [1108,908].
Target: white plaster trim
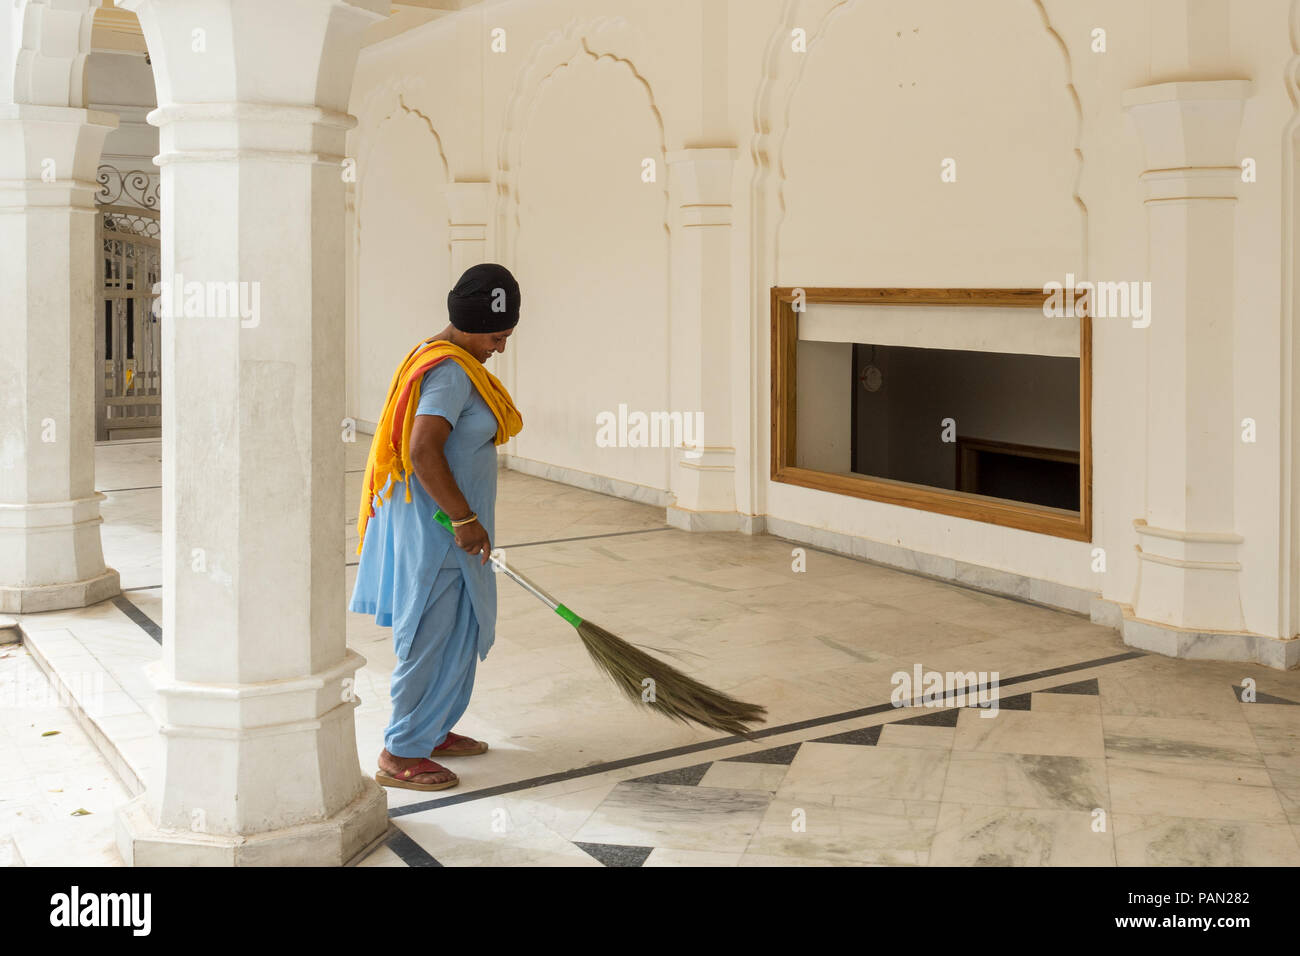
[1208,537]
[1185,563]
[1173,641]
[976,576]
[614,487]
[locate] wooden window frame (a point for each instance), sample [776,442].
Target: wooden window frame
[1060,523]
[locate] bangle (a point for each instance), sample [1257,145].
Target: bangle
[464,521]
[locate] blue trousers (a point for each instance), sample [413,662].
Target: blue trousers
[431,686]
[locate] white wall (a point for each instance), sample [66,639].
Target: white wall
[837,182]
[405,261]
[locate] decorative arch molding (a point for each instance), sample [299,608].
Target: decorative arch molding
[1070,88]
[49,52]
[381,101]
[595,39]
[371,139]
[773,101]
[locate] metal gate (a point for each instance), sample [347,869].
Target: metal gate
[128,342]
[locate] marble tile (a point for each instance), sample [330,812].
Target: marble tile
[564,813]
[1287,784]
[128,464]
[1154,840]
[45,779]
[845,830]
[687,818]
[1182,738]
[1027,732]
[1151,785]
[1007,836]
[485,834]
[1033,781]
[1064,704]
[382,857]
[902,773]
[901,735]
[761,859]
[744,776]
[1272,719]
[1153,691]
[666,856]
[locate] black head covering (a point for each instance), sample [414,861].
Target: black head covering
[486,299]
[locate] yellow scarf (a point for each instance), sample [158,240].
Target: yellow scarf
[390,449]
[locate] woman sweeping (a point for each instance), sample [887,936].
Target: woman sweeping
[435,448]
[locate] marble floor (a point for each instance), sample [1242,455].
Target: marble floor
[1096,754]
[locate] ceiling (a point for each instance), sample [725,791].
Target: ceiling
[118,30]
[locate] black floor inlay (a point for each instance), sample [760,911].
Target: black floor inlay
[613,855]
[412,853]
[1088,687]
[682,777]
[143,620]
[865,737]
[778,755]
[576,773]
[1014,702]
[1262,698]
[938,718]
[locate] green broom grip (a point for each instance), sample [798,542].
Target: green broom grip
[568,615]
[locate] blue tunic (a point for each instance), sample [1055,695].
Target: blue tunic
[405,549]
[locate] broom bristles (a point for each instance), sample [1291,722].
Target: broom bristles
[676,695]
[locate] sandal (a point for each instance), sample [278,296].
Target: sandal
[458,746]
[403,778]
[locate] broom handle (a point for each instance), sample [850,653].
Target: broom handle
[445,520]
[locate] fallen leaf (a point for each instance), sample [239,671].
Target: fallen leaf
[80,812]
[50,733]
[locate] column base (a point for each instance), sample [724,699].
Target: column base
[337,841]
[1197,645]
[688,520]
[1188,580]
[57,597]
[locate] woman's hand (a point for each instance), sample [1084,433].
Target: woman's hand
[472,538]
[428,437]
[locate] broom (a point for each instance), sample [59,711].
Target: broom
[676,695]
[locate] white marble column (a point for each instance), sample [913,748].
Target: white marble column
[1189,569]
[259,760]
[703,477]
[50,554]
[468,206]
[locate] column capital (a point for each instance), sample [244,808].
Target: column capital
[285,132]
[226,51]
[49,154]
[1192,124]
